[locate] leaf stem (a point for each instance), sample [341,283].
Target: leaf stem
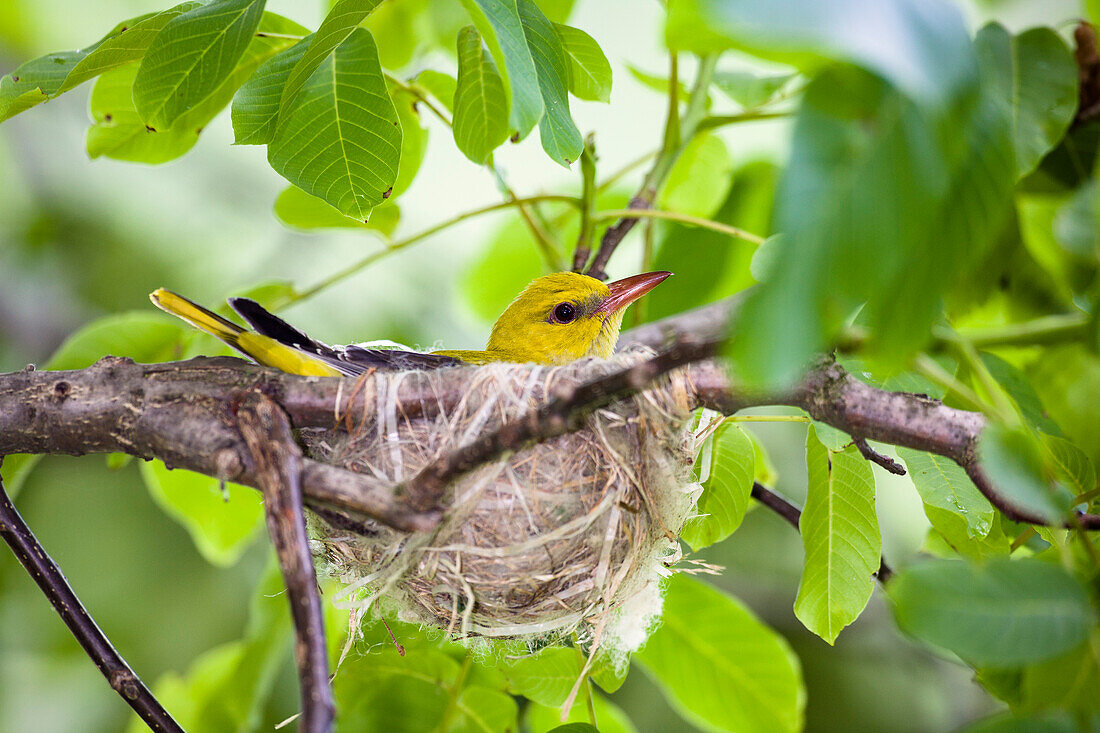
[684,128]
[682,218]
[1046,330]
[400,244]
[927,367]
[545,242]
[453,693]
[421,94]
[768,418]
[711,122]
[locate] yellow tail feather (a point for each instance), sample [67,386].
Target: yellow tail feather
[264,350]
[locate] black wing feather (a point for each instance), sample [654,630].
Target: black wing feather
[351,360]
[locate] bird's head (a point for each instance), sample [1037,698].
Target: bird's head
[563,317]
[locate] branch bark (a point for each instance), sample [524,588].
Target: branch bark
[45,572]
[278,460]
[183,413]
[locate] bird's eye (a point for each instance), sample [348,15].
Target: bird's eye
[564,313]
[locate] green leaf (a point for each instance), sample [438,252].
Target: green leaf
[192,57]
[841,537]
[131,44]
[575,728]
[480,709]
[1068,682]
[720,666]
[922,47]
[341,21]
[750,89]
[611,717]
[499,24]
[15,470]
[118,131]
[1054,722]
[710,265]
[546,677]
[227,687]
[558,133]
[1035,77]
[406,29]
[441,86]
[943,484]
[144,337]
[35,81]
[1071,465]
[589,69]
[1002,614]
[657,83]
[256,103]
[480,101]
[47,76]
[1074,223]
[340,140]
[1020,389]
[1013,461]
[726,488]
[221,525]
[398,694]
[53,74]
[299,210]
[951,530]
[1068,380]
[700,178]
[857,230]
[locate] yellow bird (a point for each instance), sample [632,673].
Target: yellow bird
[557,319]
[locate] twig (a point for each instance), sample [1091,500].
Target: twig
[399,244]
[696,221]
[564,413]
[673,146]
[714,121]
[583,250]
[792,514]
[266,431]
[45,572]
[875,457]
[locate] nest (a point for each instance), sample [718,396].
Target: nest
[566,539]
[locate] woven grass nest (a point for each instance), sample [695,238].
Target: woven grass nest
[566,539]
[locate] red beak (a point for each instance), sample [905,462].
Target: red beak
[626,291]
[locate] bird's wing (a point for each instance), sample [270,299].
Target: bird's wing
[351,360]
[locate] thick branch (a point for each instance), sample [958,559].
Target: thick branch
[32,556]
[278,460]
[183,414]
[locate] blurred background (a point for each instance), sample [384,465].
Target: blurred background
[83,238]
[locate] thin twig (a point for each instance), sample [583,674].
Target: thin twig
[45,572]
[877,458]
[792,514]
[266,431]
[673,145]
[688,219]
[583,249]
[400,244]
